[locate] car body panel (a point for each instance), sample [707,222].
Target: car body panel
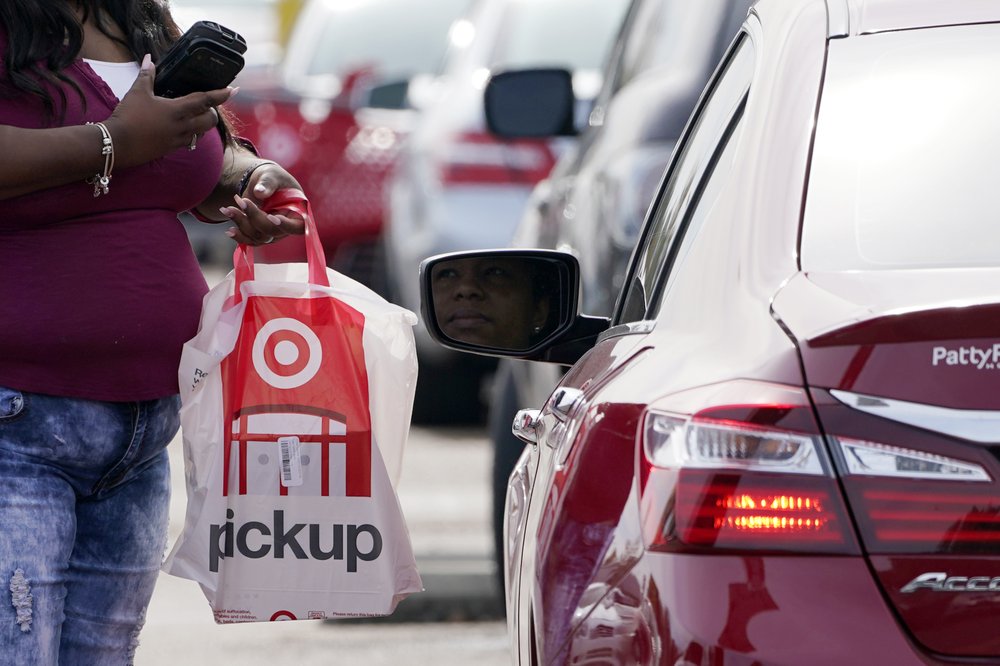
[593,370]
[877,358]
[858,324]
[870,16]
[749,609]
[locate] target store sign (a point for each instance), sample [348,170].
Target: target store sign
[296,395]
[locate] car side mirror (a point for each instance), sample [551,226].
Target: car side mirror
[530,103]
[511,302]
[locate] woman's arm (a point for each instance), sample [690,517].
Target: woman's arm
[143,127]
[236,162]
[247,182]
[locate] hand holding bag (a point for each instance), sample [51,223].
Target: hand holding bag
[296,399]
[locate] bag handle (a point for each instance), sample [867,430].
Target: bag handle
[286,200]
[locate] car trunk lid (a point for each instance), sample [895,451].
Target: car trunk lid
[906,381]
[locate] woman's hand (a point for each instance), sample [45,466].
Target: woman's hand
[146,127]
[253,225]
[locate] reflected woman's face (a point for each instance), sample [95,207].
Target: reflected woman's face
[487,301]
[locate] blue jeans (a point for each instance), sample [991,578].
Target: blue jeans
[84,494]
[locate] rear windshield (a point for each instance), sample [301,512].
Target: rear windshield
[905,166]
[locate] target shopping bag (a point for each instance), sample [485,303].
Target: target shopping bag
[296,397]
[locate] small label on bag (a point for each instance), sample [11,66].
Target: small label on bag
[291,462]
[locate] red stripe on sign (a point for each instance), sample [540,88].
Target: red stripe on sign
[359,465]
[243,468]
[273,437]
[227,450]
[324,487]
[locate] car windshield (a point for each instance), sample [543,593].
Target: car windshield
[400,37]
[905,165]
[557,32]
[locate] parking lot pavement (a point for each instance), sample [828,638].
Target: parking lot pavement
[444,494]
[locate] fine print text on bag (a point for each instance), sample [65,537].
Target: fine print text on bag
[296,398]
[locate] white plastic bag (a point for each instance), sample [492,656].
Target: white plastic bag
[296,400]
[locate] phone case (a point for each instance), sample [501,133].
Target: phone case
[208,56]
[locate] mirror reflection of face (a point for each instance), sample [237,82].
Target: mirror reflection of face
[489,301]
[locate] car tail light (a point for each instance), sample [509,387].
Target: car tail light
[475,157]
[740,466]
[910,501]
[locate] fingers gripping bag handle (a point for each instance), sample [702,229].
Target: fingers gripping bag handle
[283,201]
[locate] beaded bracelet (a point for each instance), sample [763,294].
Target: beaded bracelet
[102,180]
[245,179]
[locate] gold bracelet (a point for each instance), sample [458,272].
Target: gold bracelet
[102,180]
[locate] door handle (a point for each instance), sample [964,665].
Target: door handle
[563,401]
[525,425]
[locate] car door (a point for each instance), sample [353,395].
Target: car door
[583,461]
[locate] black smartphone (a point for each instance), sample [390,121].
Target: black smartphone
[206,57]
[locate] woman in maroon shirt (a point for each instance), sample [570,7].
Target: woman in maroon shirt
[100,291]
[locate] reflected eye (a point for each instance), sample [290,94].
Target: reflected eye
[495,272]
[445,274]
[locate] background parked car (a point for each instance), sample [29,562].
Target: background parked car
[350,85]
[784,448]
[258,21]
[594,201]
[456,186]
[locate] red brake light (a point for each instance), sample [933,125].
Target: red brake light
[740,466]
[731,510]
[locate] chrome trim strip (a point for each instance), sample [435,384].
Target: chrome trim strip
[974,425]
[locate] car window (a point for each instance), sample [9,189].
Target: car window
[613,65]
[711,188]
[358,34]
[904,168]
[557,32]
[666,33]
[698,152]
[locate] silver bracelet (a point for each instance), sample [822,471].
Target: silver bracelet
[102,180]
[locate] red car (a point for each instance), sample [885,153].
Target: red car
[784,446]
[351,82]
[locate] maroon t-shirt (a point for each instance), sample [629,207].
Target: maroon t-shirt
[100,293]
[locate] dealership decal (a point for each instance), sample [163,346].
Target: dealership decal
[981,358]
[939,581]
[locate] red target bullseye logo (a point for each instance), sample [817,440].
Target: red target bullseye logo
[286,353]
[283,615]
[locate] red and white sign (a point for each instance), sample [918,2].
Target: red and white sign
[287,378]
[296,395]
